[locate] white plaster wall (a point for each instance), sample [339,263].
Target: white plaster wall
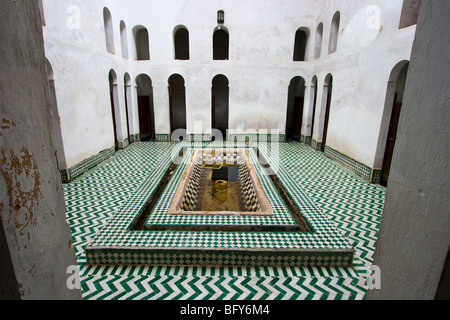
[361,67]
[81,65]
[259,68]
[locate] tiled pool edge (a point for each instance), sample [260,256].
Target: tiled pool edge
[159,217]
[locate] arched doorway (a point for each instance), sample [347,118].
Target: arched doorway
[294,118]
[220,104]
[145,107]
[394,99]
[177,103]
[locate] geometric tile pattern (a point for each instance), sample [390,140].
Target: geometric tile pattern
[93,199]
[247,195]
[222,288]
[246,189]
[191,196]
[159,215]
[353,206]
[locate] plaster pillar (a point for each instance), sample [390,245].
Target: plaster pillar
[35,242]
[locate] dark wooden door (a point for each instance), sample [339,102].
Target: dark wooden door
[126,113]
[327,117]
[116,140]
[213,111]
[144,116]
[314,111]
[390,144]
[298,117]
[219,105]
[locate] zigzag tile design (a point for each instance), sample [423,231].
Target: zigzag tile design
[116,287]
[353,205]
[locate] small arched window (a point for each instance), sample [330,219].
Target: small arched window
[109,33]
[221,40]
[181,42]
[124,39]
[300,45]
[318,41]
[334,32]
[142,43]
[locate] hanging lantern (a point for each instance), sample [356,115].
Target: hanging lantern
[220,17]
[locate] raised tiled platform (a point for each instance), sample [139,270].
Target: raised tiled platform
[117,243]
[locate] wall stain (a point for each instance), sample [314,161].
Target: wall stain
[23,184]
[6,124]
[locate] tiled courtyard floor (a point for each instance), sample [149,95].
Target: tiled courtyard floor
[351,204]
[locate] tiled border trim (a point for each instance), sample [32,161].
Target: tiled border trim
[124,144]
[217,257]
[162,137]
[367,173]
[135,138]
[205,137]
[376,176]
[256,137]
[238,137]
[318,146]
[302,138]
[64,175]
[305,139]
[80,168]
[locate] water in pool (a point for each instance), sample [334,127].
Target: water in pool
[220,190]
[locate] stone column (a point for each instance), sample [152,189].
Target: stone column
[414,236]
[35,241]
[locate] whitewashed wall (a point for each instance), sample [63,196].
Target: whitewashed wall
[259,68]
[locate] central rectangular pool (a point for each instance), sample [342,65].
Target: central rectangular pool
[220,182]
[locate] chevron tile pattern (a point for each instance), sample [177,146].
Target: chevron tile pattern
[352,205]
[222,288]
